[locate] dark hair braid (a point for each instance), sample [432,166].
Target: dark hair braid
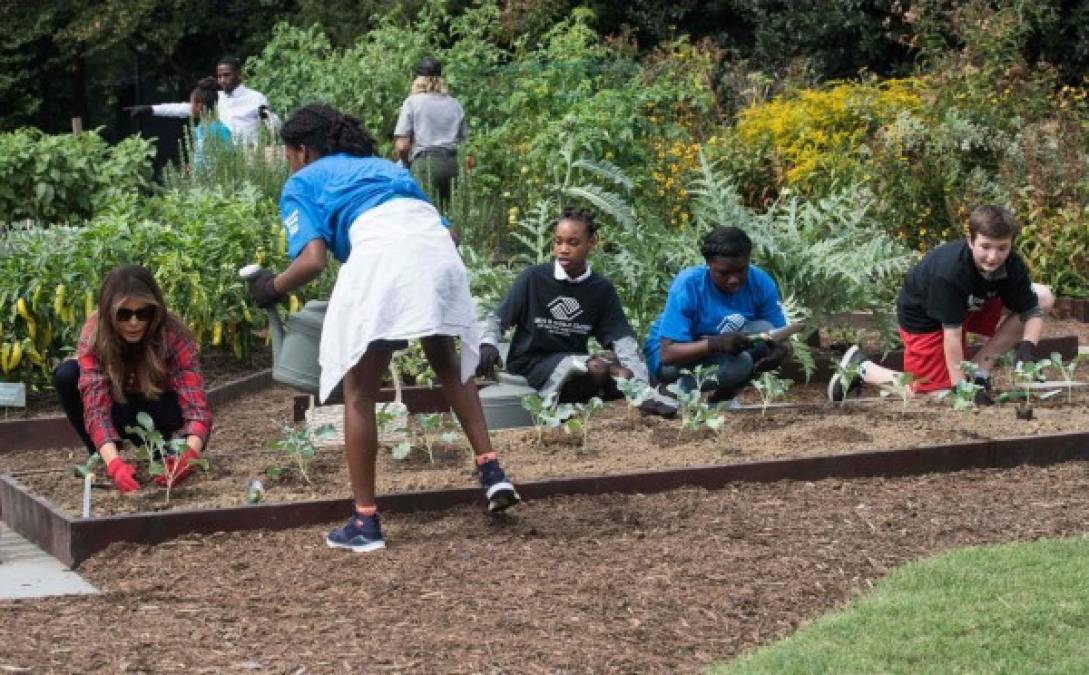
[725,242]
[579,215]
[326,130]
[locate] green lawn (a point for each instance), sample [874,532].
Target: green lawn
[1014,608]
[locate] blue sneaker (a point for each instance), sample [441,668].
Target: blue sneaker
[498,491]
[362,534]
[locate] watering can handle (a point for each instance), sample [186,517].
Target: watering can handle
[249,272]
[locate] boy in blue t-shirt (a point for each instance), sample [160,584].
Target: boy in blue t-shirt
[709,313]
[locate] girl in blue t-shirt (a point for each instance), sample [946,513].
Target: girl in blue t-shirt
[711,311]
[402,278]
[206,128]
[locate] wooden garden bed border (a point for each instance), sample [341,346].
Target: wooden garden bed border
[40,433]
[73,540]
[1075,308]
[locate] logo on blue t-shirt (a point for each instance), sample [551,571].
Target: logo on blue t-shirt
[731,323]
[564,308]
[291,223]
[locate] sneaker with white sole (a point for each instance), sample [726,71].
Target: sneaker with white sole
[362,534]
[498,491]
[838,389]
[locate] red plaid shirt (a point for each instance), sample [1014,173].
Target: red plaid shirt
[184,375]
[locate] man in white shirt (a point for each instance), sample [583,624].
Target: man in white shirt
[240,108]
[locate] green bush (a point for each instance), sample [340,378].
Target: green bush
[67,178]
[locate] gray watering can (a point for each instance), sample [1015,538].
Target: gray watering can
[295,350]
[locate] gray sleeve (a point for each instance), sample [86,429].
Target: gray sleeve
[628,353]
[404,120]
[463,128]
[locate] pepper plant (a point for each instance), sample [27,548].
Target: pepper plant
[154,448]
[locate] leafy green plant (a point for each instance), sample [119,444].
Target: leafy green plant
[901,385]
[1067,370]
[770,387]
[963,394]
[579,422]
[847,373]
[90,467]
[547,412]
[636,392]
[694,411]
[299,444]
[433,428]
[154,449]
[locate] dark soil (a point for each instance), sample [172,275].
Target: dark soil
[663,583]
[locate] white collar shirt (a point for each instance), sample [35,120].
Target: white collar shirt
[561,275]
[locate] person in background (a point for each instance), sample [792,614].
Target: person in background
[134,356]
[710,314]
[555,308]
[429,128]
[978,284]
[401,278]
[206,127]
[240,108]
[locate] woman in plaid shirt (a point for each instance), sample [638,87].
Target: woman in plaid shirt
[134,356]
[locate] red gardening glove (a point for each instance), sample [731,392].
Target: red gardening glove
[121,473]
[180,468]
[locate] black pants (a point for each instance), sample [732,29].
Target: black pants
[164,411]
[437,169]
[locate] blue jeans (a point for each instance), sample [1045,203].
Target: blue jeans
[733,370]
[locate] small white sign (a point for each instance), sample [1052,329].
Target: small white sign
[12,395]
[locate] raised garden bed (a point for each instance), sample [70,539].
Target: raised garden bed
[624,453]
[1074,308]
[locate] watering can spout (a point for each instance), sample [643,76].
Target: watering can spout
[275,325]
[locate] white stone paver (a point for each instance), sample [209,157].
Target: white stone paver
[27,571]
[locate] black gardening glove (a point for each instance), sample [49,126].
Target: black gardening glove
[1026,352]
[489,359]
[263,291]
[727,343]
[983,394]
[135,111]
[262,112]
[777,353]
[659,408]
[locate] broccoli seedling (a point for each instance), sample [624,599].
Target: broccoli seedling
[770,387]
[694,412]
[299,444]
[154,449]
[899,386]
[580,421]
[546,412]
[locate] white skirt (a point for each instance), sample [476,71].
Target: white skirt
[403,279]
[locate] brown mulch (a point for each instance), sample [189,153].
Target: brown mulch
[668,582]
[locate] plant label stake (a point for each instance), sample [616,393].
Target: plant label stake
[87,494]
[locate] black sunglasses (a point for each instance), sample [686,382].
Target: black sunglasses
[144,314]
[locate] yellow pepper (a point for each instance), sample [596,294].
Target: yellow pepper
[58,301]
[217,333]
[16,356]
[20,308]
[295,304]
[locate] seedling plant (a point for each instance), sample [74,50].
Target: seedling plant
[847,373]
[694,411]
[900,386]
[963,394]
[636,392]
[299,444]
[153,450]
[1066,370]
[770,387]
[547,412]
[579,422]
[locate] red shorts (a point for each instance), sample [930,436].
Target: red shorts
[924,353]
